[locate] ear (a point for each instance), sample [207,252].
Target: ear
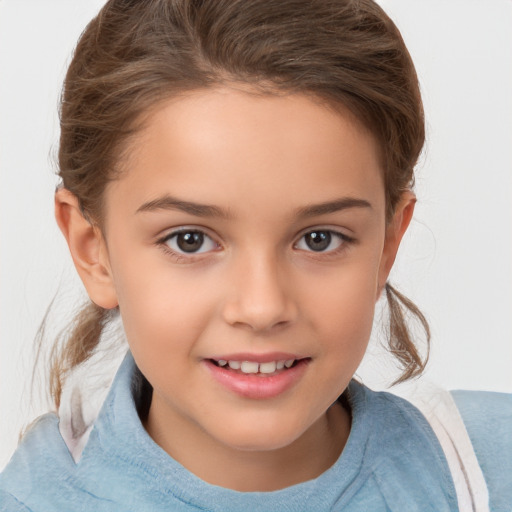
[395,230]
[88,249]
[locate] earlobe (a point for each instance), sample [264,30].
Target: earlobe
[395,230]
[88,250]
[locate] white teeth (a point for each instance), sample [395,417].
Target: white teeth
[254,367]
[268,367]
[249,367]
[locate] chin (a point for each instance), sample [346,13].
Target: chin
[256,438]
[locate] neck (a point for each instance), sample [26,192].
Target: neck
[304,459]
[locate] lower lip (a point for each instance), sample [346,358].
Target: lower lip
[257,386]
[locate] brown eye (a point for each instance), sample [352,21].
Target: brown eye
[190,242]
[321,240]
[318,240]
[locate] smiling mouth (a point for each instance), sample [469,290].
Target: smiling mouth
[255,368]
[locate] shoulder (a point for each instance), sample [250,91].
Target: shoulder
[394,418]
[41,456]
[390,410]
[8,503]
[487,417]
[483,409]
[399,445]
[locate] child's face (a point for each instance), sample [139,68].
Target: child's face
[247,228]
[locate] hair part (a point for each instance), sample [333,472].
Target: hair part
[136,54]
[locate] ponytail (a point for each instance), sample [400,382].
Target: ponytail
[400,341]
[78,347]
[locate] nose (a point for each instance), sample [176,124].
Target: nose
[261,296]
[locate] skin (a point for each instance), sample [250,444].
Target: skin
[255,286]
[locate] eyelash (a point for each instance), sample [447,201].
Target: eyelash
[344,242]
[180,257]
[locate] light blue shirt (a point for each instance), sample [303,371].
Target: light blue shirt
[392,462]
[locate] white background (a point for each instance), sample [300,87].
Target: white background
[456,262]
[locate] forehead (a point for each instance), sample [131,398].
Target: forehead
[234,147]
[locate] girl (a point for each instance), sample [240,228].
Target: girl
[236,181]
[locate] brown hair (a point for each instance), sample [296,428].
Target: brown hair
[136,53]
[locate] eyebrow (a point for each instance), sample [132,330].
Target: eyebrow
[171,203]
[205,210]
[336,205]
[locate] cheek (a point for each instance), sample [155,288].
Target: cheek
[344,306]
[160,305]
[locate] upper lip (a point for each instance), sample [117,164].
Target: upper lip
[257,358]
